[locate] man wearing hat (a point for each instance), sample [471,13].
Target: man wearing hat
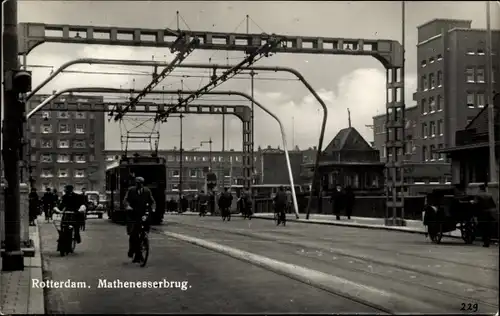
[138,201]
[72,203]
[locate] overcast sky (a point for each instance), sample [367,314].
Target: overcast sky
[353,82]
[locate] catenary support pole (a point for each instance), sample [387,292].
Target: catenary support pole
[489,91]
[237,93]
[12,259]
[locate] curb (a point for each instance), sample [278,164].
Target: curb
[36,303]
[366,295]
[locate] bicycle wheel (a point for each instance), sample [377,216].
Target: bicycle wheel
[283,219]
[73,242]
[144,250]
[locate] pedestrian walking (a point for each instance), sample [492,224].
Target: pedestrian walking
[350,199]
[337,201]
[34,206]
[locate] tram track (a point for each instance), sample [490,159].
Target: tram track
[366,262]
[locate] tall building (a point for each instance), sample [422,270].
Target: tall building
[66,146]
[226,165]
[451,91]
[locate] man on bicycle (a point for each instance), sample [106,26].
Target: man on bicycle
[138,201]
[225,202]
[71,204]
[280,201]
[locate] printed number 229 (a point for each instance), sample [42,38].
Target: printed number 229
[469,307]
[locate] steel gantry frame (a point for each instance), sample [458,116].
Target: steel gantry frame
[389,52]
[247,126]
[202,66]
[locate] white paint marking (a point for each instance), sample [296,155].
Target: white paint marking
[385,301]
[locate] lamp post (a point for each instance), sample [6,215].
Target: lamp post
[489,89]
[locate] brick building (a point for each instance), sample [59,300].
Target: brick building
[451,92]
[66,146]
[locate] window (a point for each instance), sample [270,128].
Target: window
[433,154]
[79,173]
[431,60]
[204,158]
[46,158]
[480,51]
[32,129]
[196,158]
[480,100]
[175,187]
[187,158]
[432,81]
[80,115]
[63,143]
[470,100]
[423,63]
[177,158]
[46,129]
[439,78]
[432,128]
[221,159]
[63,114]
[92,116]
[79,144]
[193,173]
[45,115]
[80,158]
[237,158]
[46,143]
[62,185]
[80,128]
[439,57]
[440,128]
[34,157]
[214,159]
[175,173]
[432,104]
[170,158]
[480,74]
[469,74]
[424,153]
[63,128]
[423,83]
[63,173]
[384,151]
[441,156]
[493,79]
[63,158]
[91,158]
[471,52]
[46,173]
[424,130]
[439,103]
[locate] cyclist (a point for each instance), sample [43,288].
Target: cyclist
[280,201]
[246,203]
[138,202]
[203,202]
[72,205]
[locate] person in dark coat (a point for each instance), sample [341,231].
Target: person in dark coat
[48,202]
[183,204]
[337,201]
[349,201]
[70,205]
[138,201]
[34,206]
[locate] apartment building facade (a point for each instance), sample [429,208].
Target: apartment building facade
[66,145]
[451,90]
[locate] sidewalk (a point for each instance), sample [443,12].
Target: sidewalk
[16,294]
[412,226]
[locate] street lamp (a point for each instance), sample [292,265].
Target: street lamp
[209,142]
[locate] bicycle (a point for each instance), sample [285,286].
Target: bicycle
[226,214]
[143,241]
[66,243]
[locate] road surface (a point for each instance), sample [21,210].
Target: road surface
[217,283]
[449,276]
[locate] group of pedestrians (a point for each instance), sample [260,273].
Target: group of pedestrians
[46,204]
[179,206]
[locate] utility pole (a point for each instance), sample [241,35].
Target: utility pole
[181,173]
[12,259]
[252,159]
[223,150]
[489,92]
